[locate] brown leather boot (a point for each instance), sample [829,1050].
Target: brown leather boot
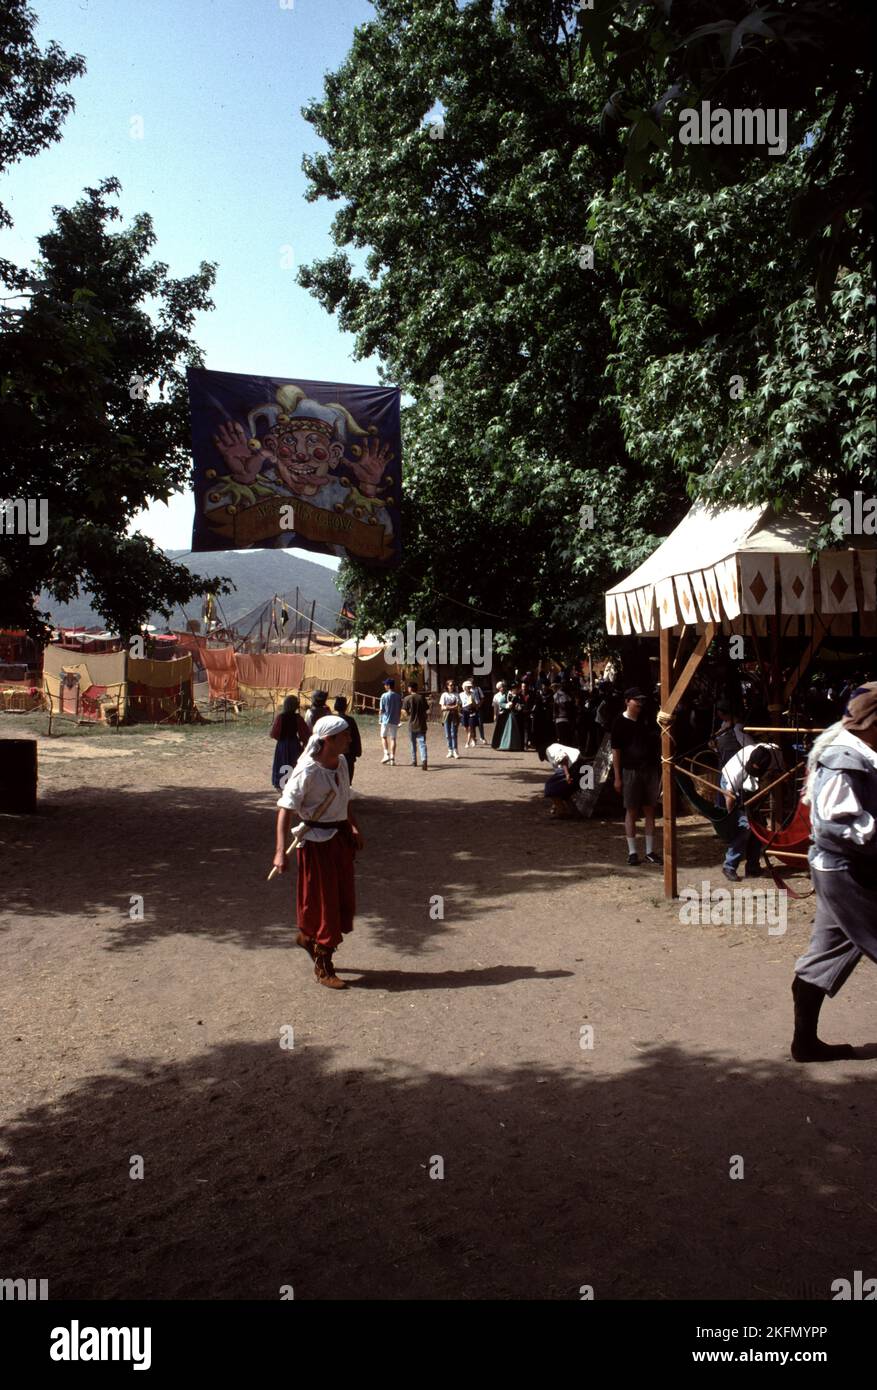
[306,943]
[324,970]
[806,1046]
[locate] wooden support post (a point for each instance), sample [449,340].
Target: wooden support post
[668,782]
[671,693]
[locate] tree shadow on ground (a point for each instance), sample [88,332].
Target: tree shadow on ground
[266,1167]
[199,859]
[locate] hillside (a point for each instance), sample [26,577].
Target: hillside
[256,575]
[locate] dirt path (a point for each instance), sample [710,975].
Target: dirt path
[311,1166]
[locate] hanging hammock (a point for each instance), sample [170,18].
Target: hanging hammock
[724,822]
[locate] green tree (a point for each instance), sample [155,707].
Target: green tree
[93,414]
[32,102]
[478,295]
[730,350]
[540,384]
[812,59]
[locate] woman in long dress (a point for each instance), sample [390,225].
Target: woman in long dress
[500,701]
[514,734]
[291,733]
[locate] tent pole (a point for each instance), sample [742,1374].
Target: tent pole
[671,885]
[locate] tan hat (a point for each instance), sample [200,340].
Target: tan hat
[861,710]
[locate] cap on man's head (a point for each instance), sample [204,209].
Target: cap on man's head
[389,680]
[634,693]
[320,697]
[467,685]
[861,711]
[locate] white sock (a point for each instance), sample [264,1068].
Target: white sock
[650,844]
[631,844]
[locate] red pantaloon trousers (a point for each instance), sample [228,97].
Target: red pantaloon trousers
[325,894]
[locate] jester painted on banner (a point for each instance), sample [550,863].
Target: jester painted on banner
[282,463]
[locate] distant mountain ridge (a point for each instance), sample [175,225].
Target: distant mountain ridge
[256,574]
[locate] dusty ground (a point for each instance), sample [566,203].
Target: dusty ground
[267,1166]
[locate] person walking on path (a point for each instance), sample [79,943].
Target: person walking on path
[476,718]
[319,792]
[500,713]
[469,713]
[390,712]
[636,759]
[318,708]
[450,707]
[842,794]
[355,749]
[291,733]
[416,707]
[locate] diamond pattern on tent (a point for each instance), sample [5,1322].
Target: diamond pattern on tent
[796,584]
[666,601]
[646,597]
[698,584]
[756,583]
[623,614]
[633,606]
[726,573]
[687,611]
[837,581]
[712,587]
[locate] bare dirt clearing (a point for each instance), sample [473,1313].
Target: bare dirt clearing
[310,1166]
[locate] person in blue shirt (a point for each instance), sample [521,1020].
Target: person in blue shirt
[391,711]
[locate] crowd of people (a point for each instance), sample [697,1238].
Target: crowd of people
[315,755]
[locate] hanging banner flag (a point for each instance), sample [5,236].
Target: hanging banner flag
[280,463]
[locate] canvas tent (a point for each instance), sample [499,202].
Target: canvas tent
[741,570]
[262,681]
[114,686]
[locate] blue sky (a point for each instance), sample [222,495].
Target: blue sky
[218,85]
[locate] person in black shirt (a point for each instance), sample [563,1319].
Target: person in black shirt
[564,714]
[636,759]
[354,748]
[416,707]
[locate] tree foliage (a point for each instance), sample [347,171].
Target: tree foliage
[539,384]
[33,103]
[813,59]
[476,294]
[93,345]
[93,412]
[730,348]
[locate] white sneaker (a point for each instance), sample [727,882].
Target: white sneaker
[456,754]
[392,762]
[449,754]
[385,758]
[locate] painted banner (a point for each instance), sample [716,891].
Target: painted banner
[280,463]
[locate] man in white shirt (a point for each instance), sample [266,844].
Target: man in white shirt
[318,790]
[739,780]
[562,785]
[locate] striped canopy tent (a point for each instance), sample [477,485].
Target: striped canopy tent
[742,570]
